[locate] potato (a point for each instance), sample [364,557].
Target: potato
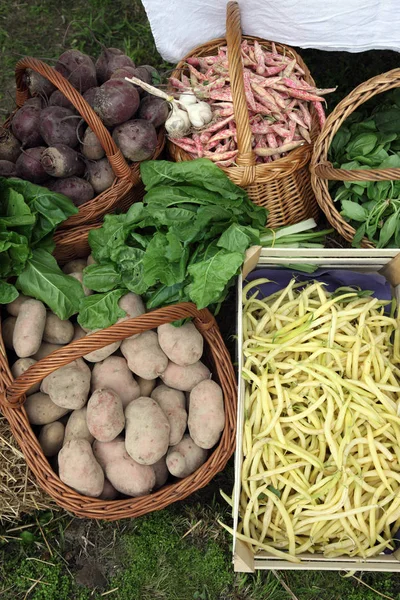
[185,378]
[78,332]
[172,403]
[90,260]
[22,365]
[13,307]
[76,427]
[105,415]
[69,386]
[29,327]
[185,458]
[102,353]
[144,355]
[146,386]
[109,492]
[206,413]
[46,349]
[78,275]
[51,438]
[74,266]
[132,304]
[147,431]
[161,472]
[79,468]
[113,373]
[126,475]
[41,410]
[57,331]
[7,331]
[183,345]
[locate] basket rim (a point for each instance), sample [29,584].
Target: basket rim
[319,161]
[85,506]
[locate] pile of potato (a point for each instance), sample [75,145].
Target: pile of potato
[122,419]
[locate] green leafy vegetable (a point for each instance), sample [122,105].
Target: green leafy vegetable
[8,292]
[100,310]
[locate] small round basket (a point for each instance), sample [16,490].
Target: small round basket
[282,186]
[322,170]
[121,195]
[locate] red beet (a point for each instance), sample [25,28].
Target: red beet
[58,126]
[62,161]
[100,175]
[78,68]
[58,99]
[26,125]
[136,139]
[123,72]
[91,147]
[90,94]
[77,189]
[37,84]
[7,169]
[29,167]
[109,61]
[155,110]
[116,101]
[10,148]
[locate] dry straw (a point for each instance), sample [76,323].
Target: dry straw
[282,186]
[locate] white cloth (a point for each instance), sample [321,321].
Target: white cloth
[351,25]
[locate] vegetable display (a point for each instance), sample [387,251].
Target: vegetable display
[278,99]
[48,142]
[185,241]
[321,441]
[113,424]
[370,139]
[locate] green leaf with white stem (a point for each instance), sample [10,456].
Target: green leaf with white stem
[43,279]
[287,230]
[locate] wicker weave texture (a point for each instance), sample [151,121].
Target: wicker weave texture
[126,177]
[322,170]
[12,397]
[282,186]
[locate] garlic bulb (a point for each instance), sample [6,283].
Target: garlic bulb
[188,98]
[199,114]
[178,123]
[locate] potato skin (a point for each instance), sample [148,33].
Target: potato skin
[13,307]
[105,415]
[29,327]
[57,331]
[106,452]
[147,431]
[109,492]
[185,458]
[132,304]
[19,367]
[69,386]
[7,331]
[161,472]
[113,373]
[146,386]
[41,410]
[144,355]
[51,438]
[206,413]
[184,378]
[183,345]
[172,403]
[76,427]
[74,266]
[45,349]
[102,353]
[79,468]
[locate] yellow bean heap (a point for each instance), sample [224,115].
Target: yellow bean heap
[321,441]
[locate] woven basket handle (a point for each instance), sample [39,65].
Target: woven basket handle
[245,155]
[326,171]
[114,154]
[15,393]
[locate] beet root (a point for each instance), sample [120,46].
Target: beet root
[57,126]
[58,99]
[91,147]
[89,95]
[37,84]
[155,110]
[78,68]
[10,148]
[7,169]
[109,61]
[62,161]
[123,72]
[25,125]
[116,101]
[137,139]
[77,189]
[100,175]
[29,167]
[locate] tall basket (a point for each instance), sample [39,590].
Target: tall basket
[282,186]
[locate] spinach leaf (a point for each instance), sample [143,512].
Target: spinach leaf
[388,121]
[358,236]
[362,144]
[101,278]
[388,230]
[353,211]
[43,279]
[100,310]
[8,292]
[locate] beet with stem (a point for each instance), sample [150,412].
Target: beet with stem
[77,189]
[109,61]
[10,148]
[58,125]
[100,175]
[116,101]
[62,161]
[37,84]
[25,125]
[78,68]
[29,167]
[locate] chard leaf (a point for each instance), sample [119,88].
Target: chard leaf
[165,295]
[100,310]
[101,278]
[43,279]
[156,265]
[130,264]
[237,238]
[8,292]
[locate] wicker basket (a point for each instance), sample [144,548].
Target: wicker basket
[282,186]
[122,194]
[12,397]
[322,170]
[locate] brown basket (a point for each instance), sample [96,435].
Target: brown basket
[12,397]
[282,186]
[322,170]
[122,193]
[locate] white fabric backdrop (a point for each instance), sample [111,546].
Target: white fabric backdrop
[351,25]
